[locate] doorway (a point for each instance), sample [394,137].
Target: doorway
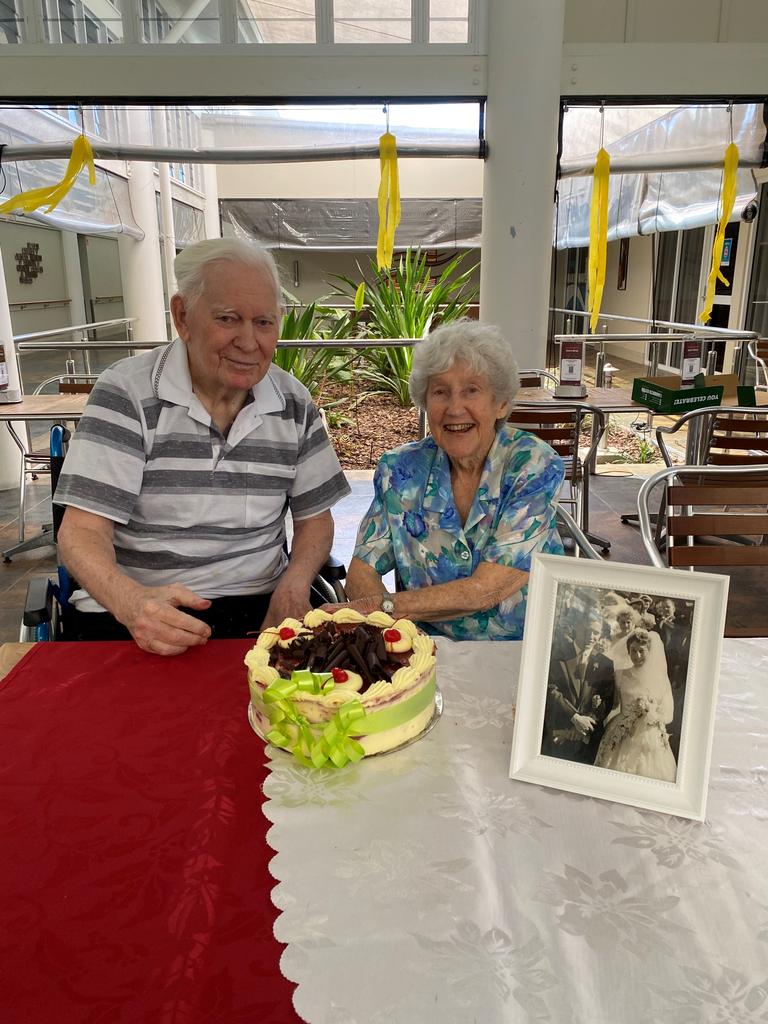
[681,277]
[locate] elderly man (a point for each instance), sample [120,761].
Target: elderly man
[181,470]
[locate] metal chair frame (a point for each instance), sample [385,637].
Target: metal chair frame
[536,378]
[758,349]
[713,432]
[37,463]
[560,426]
[690,488]
[567,525]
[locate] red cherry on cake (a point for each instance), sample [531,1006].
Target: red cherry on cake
[286,633]
[391,636]
[339,675]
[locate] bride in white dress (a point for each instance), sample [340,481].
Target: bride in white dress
[635,737]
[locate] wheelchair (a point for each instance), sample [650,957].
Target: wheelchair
[47,598]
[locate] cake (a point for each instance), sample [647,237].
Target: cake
[334,688]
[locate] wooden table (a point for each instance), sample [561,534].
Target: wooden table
[608,400]
[44,407]
[33,409]
[10,655]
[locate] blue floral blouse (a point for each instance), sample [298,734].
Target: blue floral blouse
[413,525]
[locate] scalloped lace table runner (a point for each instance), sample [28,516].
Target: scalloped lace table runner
[425,886]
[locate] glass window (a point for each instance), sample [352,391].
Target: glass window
[9,22]
[449,9]
[270,22]
[448,31]
[372,21]
[378,30]
[155,22]
[691,255]
[92,30]
[757,303]
[376,10]
[67,21]
[448,21]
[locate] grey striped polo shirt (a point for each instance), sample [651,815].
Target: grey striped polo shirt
[190,506]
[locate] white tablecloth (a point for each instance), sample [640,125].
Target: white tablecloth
[425,886]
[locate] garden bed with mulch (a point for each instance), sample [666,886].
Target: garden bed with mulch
[363,427]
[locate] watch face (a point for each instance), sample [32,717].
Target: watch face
[387,606]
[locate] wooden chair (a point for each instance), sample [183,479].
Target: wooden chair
[560,426]
[706,511]
[725,436]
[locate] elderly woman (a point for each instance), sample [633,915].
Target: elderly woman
[179,475]
[459,514]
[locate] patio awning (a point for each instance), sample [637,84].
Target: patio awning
[676,158]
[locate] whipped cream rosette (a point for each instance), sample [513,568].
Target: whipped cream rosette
[338,686]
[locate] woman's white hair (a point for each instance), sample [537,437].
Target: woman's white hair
[191,263]
[481,346]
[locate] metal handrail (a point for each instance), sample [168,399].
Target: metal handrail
[727,332]
[78,346]
[22,340]
[357,343]
[652,362]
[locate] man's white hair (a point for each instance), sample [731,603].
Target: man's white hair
[191,263]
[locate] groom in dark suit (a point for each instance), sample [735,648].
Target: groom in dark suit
[676,637]
[579,696]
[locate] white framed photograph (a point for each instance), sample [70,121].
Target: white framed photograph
[618,682]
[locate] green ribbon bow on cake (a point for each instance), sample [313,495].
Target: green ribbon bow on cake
[334,745]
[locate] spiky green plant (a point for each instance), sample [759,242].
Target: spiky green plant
[406,302]
[314,367]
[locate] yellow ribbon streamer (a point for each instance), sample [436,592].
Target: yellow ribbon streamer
[81,156]
[598,235]
[730,169]
[389,201]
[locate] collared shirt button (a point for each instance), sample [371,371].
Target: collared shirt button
[465,555]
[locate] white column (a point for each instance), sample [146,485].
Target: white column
[10,457]
[74,277]
[525,49]
[140,260]
[211,192]
[167,229]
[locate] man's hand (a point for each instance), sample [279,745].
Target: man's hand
[290,599]
[154,619]
[584,723]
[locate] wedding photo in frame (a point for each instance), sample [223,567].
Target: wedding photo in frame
[618,682]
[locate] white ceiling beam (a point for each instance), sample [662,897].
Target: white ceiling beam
[207,72]
[664,69]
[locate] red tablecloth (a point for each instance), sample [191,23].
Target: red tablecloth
[134,886]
